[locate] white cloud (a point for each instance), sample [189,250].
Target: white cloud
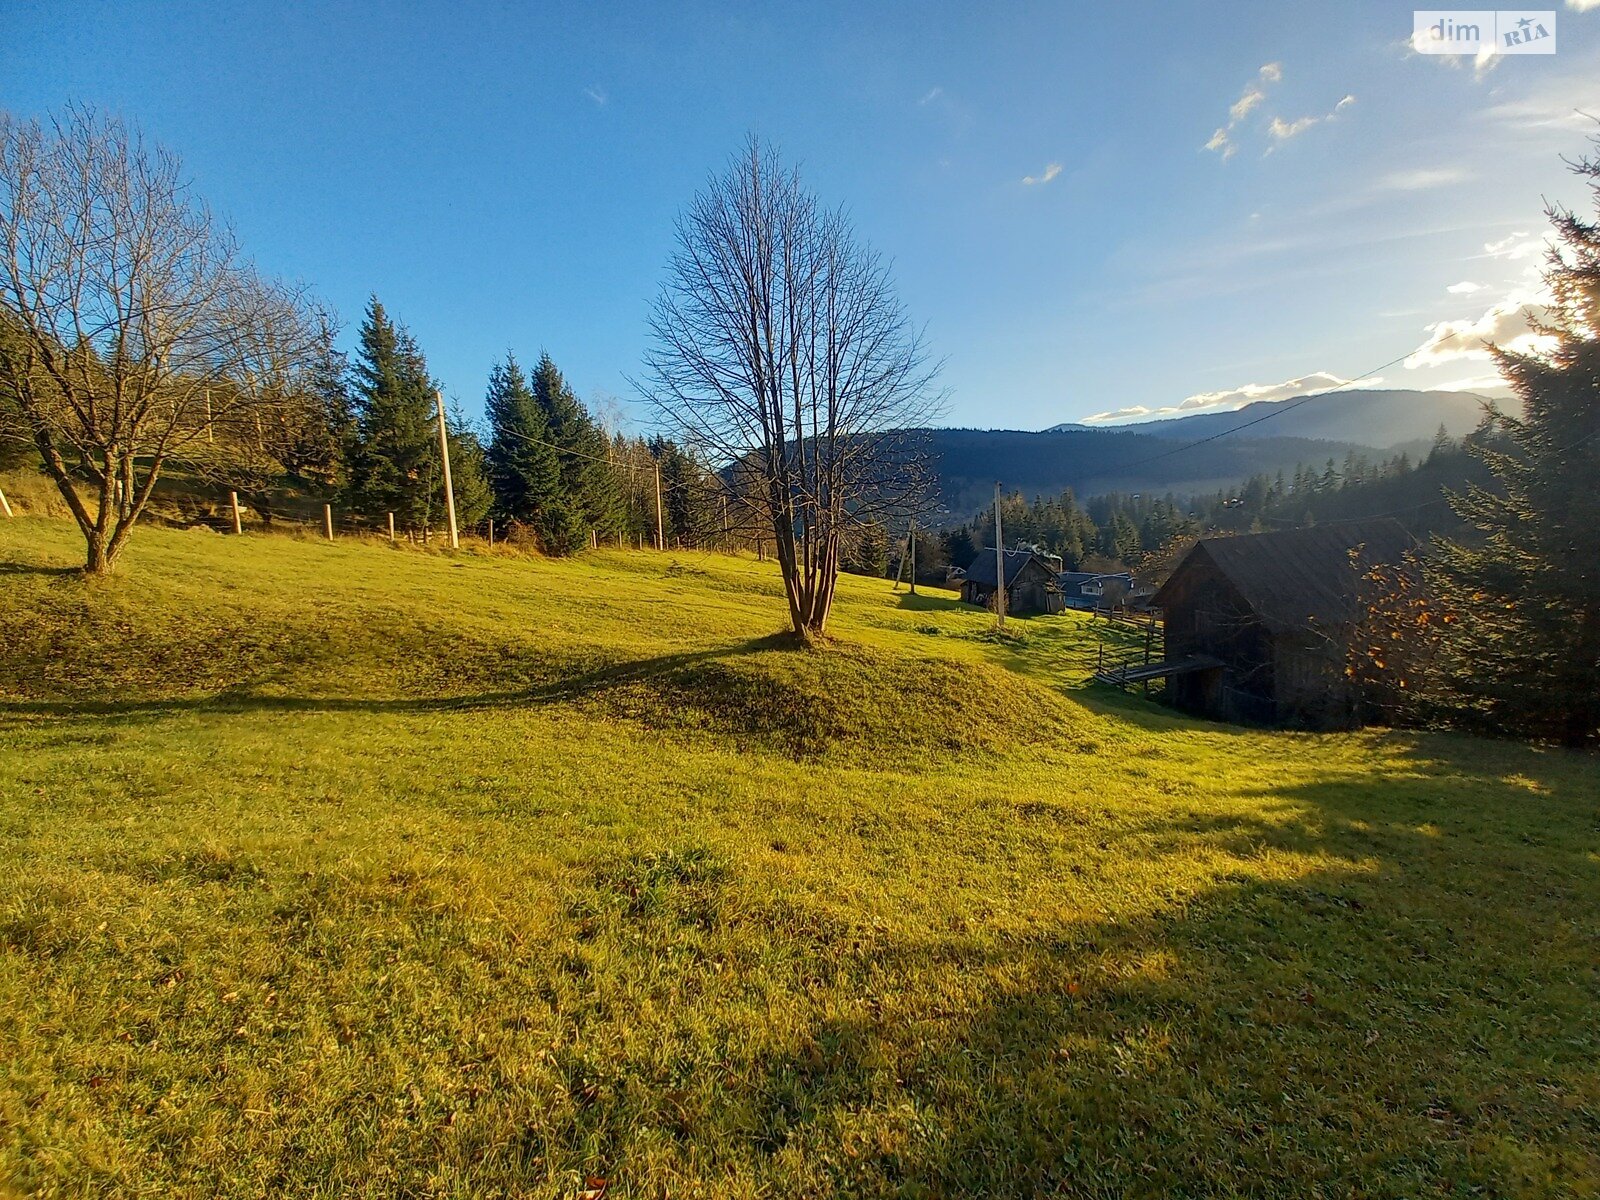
[1476,383]
[1242,106]
[1219,142]
[1231,399]
[932,95]
[1558,104]
[1507,323]
[1482,63]
[1515,247]
[1249,100]
[1417,179]
[1465,288]
[1282,130]
[1049,173]
[1583,5]
[1119,414]
[597,94]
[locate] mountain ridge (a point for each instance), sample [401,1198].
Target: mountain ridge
[1381,418]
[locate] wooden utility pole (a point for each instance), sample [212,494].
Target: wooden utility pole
[391,527]
[999,564]
[449,491]
[911,550]
[327,520]
[233,499]
[5,505]
[660,541]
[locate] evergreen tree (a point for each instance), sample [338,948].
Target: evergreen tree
[959,548]
[313,433]
[469,472]
[394,463]
[590,492]
[689,500]
[867,552]
[522,464]
[1524,652]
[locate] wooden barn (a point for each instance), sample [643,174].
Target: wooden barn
[1270,615]
[1031,584]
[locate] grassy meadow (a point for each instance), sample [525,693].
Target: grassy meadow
[346,870]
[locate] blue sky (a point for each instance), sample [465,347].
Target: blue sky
[506,175]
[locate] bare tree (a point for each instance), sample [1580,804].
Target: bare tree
[128,307]
[286,425]
[783,357]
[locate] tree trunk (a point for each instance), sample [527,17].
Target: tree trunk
[99,560]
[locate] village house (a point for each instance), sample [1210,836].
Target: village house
[1258,627]
[1031,583]
[1094,590]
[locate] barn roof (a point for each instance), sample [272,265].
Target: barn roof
[1298,578]
[981,569]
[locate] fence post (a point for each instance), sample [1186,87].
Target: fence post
[327,520]
[391,527]
[5,505]
[491,531]
[233,499]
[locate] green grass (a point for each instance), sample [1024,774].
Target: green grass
[338,870]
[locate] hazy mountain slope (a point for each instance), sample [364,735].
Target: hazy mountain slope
[1375,417]
[969,461]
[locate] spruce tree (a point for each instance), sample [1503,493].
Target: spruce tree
[689,501]
[394,463]
[591,497]
[523,469]
[1524,649]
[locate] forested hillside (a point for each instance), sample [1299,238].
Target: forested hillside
[969,461]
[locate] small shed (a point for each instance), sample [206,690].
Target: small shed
[1277,611]
[1031,584]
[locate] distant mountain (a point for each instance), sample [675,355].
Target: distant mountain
[1094,461]
[1378,417]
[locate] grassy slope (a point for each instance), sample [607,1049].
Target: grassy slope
[342,870]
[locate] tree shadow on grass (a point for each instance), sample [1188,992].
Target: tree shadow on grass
[923,602]
[1400,1019]
[250,698]
[13,567]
